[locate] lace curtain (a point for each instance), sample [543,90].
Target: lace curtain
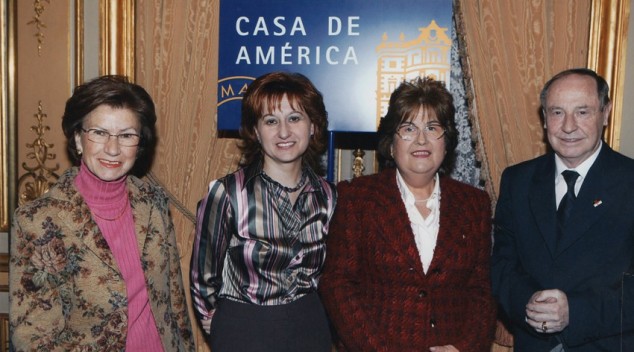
[466,168]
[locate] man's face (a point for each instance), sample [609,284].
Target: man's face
[574,120]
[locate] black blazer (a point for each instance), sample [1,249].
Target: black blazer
[588,264]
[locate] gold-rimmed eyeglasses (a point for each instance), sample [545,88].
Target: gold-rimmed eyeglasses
[409,131]
[102,137]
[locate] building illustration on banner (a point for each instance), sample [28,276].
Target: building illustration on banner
[428,55]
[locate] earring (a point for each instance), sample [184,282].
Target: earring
[79,151]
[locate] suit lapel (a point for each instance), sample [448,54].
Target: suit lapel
[541,199]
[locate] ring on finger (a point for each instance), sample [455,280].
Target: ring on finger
[544,327]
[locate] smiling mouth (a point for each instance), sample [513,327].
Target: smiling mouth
[110,164]
[421,153]
[285,144]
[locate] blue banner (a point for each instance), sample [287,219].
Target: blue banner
[354,51]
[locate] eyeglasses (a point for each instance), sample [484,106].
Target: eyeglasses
[409,131]
[102,137]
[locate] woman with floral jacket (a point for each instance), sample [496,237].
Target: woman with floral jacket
[94,262]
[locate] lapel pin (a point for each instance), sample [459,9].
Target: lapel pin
[597,202]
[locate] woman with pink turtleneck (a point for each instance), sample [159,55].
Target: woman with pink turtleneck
[94,263]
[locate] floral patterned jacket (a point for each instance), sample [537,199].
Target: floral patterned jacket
[66,291]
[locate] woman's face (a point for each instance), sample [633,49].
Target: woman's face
[284,135]
[423,155]
[108,161]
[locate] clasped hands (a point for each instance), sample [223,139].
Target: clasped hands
[547,311]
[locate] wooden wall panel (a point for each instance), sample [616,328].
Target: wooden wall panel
[43,80]
[176,60]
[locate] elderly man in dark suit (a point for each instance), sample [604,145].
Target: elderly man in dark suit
[564,228]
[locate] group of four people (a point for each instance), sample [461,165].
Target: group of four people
[401,259]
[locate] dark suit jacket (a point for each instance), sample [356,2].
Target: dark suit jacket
[588,264]
[374,287]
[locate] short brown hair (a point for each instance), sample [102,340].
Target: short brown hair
[405,102]
[114,91]
[267,92]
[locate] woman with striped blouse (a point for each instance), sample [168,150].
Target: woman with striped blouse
[260,235]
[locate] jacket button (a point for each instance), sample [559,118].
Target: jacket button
[422,294]
[432,322]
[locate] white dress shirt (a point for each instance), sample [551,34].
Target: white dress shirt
[425,228]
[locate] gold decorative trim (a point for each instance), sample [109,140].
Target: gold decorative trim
[79,42]
[607,51]
[40,173]
[117,33]
[4,332]
[4,272]
[357,165]
[7,113]
[38,9]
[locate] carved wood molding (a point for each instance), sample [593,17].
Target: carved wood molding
[38,11]
[39,177]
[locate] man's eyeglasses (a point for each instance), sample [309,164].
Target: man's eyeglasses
[409,131]
[102,137]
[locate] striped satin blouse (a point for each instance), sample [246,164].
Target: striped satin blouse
[253,246]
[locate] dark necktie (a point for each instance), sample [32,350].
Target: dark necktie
[563,212]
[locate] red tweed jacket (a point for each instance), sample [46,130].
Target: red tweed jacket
[374,288]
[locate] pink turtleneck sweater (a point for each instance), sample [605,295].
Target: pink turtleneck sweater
[110,207]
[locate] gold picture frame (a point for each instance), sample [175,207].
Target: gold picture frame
[607,51]
[7,114]
[115,37]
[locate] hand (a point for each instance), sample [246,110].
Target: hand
[206,325]
[446,348]
[547,311]
[205,322]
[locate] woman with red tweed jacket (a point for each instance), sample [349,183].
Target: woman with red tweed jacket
[408,253]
